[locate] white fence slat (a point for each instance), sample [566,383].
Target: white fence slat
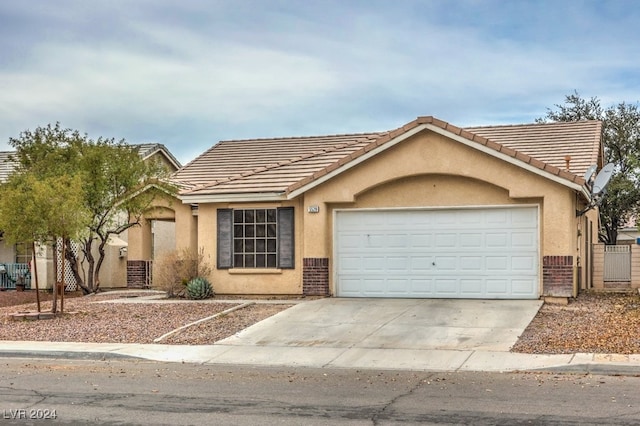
[617,263]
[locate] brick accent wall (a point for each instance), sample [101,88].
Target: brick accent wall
[315,276]
[557,276]
[139,273]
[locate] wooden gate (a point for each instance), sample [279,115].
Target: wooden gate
[617,263]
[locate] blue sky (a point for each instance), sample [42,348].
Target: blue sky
[190,73]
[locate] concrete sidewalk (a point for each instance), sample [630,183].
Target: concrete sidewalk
[361,334]
[325,357]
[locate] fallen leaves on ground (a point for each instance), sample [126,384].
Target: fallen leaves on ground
[85,321]
[592,323]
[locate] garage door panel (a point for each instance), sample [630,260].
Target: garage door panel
[497,263]
[372,263]
[523,239]
[351,264]
[420,240]
[497,286]
[496,217]
[523,264]
[469,253]
[445,263]
[421,286]
[399,287]
[374,286]
[473,241]
[420,263]
[471,263]
[523,218]
[397,264]
[497,239]
[522,286]
[446,287]
[471,287]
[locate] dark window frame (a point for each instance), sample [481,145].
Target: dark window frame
[256,238]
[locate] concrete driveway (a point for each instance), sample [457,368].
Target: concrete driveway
[491,325]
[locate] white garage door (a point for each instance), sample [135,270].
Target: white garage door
[488,253]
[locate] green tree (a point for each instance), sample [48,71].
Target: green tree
[112,176]
[42,209]
[621,139]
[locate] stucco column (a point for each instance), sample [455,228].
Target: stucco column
[598,266]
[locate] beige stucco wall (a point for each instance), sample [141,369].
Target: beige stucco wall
[165,209]
[432,171]
[425,171]
[250,281]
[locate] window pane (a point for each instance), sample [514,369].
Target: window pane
[255,234]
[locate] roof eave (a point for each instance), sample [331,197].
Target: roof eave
[168,155]
[233,198]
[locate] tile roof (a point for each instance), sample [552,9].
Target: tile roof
[284,165]
[267,165]
[6,166]
[146,150]
[551,142]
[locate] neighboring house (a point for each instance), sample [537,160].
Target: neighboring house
[429,210]
[629,233]
[113,272]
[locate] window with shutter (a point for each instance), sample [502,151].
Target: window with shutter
[255,238]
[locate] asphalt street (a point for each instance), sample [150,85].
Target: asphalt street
[129,392]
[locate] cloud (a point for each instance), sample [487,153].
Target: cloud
[190,74]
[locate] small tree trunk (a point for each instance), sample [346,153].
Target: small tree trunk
[35,274]
[54,302]
[98,266]
[64,248]
[73,265]
[91,265]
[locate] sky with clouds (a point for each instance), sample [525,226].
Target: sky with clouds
[190,73]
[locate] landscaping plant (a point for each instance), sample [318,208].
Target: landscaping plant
[199,288]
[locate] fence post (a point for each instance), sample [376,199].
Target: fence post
[598,266]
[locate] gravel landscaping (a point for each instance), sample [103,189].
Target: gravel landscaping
[594,322]
[112,321]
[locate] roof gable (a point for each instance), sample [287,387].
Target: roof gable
[286,167]
[148,150]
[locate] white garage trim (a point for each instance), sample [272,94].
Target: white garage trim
[475,252]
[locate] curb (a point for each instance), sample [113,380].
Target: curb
[89,356]
[597,369]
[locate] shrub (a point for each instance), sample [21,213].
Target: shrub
[199,288]
[174,270]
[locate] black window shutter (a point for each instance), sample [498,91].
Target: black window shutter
[286,248]
[225,238]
